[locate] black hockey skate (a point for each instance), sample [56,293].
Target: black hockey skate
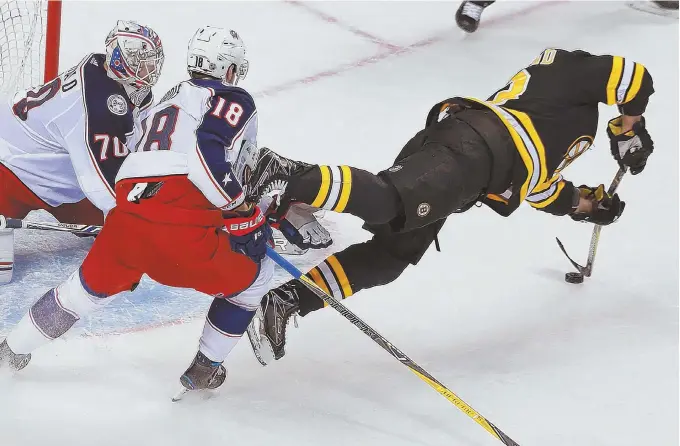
[267,330]
[272,174]
[469,14]
[661,8]
[203,374]
[12,360]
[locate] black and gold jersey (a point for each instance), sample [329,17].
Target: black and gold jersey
[550,109]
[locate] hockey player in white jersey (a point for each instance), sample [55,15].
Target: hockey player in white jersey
[181,216]
[62,143]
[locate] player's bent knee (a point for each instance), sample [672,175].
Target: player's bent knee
[377,202]
[77,297]
[250,297]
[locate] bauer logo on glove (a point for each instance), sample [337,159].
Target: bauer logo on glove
[245,225]
[249,233]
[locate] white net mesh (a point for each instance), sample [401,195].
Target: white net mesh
[22,44]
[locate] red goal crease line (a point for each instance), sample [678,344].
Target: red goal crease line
[387,49]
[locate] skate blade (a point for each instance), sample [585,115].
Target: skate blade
[652,9]
[179,395]
[261,347]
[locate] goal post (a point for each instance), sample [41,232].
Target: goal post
[53,37]
[29,43]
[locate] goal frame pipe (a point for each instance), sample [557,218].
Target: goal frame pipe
[52,40]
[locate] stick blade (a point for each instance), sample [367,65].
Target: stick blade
[179,395]
[578,267]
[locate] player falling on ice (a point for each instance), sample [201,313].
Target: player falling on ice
[61,144]
[181,216]
[511,148]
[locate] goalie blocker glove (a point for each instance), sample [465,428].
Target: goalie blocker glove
[632,148]
[606,208]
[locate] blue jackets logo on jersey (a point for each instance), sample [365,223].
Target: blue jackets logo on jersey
[117,105]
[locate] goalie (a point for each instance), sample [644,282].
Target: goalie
[62,143]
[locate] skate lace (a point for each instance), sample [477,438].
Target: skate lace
[472,10]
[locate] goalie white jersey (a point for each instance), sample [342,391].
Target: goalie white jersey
[66,140]
[203,129]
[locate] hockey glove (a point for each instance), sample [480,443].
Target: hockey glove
[630,149]
[606,209]
[249,233]
[301,228]
[297,223]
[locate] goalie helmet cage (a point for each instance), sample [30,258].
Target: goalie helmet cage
[29,43]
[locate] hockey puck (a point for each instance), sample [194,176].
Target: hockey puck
[573,277]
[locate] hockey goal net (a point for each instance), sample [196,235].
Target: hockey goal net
[29,43]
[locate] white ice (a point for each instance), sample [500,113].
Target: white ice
[490,316]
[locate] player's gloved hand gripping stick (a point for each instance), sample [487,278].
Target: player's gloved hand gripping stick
[586,271]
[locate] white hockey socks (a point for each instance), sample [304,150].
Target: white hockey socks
[53,315]
[229,317]
[6,255]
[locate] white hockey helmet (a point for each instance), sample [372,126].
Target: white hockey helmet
[213,50]
[134,57]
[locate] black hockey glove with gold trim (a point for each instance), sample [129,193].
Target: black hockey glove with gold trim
[606,208]
[632,148]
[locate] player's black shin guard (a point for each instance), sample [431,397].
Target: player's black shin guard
[348,190]
[363,265]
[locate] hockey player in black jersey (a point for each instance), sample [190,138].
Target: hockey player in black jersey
[510,148]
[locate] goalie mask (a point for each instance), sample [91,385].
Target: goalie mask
[134,57]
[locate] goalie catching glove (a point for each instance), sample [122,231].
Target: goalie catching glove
[632,148]
[606,209]
[249,232]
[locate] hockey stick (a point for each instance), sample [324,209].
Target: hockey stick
[595,238]
[15,223]
[283,246]
[391,349]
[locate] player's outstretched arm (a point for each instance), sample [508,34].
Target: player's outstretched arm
[615,80]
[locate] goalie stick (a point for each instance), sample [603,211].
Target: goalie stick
[282,245]
[391,349]
[586,271]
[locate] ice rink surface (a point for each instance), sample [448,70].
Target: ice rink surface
[490,316]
